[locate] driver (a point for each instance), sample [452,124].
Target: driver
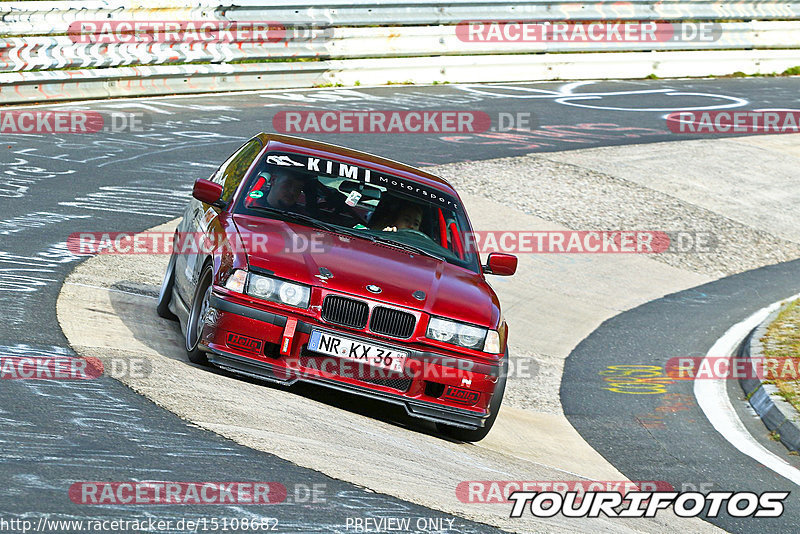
[408,217]
[285,191]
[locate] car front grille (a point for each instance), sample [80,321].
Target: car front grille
[355,314]
[356,371]
[391,322]
[344,311]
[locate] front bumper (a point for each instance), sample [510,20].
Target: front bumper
[437,387]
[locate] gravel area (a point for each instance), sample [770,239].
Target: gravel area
[583,199]
[534,382]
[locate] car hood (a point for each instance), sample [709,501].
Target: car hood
[450,291]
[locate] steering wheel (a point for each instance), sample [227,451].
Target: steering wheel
[332,206]
[335,209]
[415,232]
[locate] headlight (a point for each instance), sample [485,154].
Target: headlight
[442,330]
[463,335]
[261,287]
[293,295]
[266,288]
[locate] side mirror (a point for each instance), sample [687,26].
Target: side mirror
[501,264]
[208,192]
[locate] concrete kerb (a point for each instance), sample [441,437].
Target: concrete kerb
[777,414]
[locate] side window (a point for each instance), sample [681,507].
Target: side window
[231,172]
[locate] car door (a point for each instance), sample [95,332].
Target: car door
[200,218]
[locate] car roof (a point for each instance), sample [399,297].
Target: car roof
[291,143]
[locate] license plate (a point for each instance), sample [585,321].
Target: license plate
[343,347]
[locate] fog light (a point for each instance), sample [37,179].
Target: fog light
[236,281]
[492,344]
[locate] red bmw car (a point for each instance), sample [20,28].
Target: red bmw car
[332,266]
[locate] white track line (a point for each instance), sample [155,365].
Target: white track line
[712,398]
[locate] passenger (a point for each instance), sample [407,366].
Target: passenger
[285,191]
[408,217]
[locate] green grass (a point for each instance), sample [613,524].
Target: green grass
[792,71]
[782,340]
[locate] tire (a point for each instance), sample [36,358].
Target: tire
[463,434]
[165,295]
[194,324]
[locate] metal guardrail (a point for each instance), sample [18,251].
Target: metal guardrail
[24,18]
[35,50]
[51,86]
[44,53]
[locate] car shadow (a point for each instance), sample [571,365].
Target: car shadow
[146,327]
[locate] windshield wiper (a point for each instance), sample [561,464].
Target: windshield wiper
[299,217]
[316,223]
[406,247]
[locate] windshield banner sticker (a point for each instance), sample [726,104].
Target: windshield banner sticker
[354,172]
[283,160]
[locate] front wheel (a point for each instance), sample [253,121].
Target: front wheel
[463,434]
[196,321]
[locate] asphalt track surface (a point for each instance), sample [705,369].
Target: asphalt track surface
[53,434]
[666,436]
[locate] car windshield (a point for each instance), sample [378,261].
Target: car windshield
[332,195]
